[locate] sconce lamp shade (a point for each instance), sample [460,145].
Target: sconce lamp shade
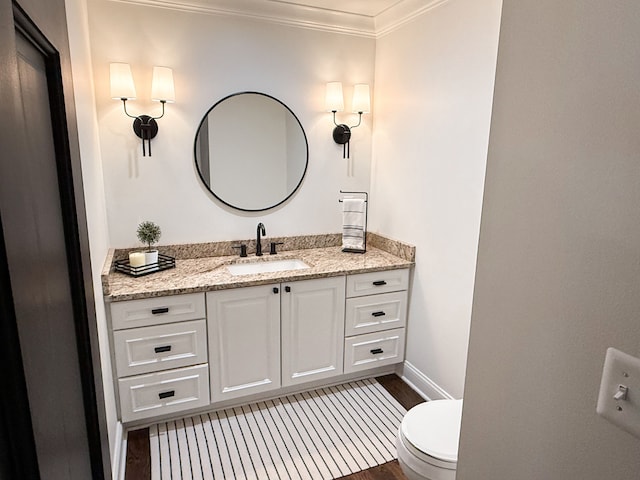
[162,89]
[334,99]
[361,99]
[121,81]
[335,103]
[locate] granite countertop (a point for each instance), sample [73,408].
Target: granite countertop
[210,273]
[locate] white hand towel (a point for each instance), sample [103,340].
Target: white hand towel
[353,223]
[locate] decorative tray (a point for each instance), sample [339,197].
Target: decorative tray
[164,263]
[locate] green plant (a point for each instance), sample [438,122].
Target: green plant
[149,233]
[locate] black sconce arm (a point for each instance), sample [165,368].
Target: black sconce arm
[144,126]
[124,103]
[342,133]
[354,126]
[334,117]
[359,120]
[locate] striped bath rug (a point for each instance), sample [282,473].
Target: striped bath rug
[321,434]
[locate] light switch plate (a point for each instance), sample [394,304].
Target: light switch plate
[620,370]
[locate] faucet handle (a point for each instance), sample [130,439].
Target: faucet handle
[243,249]
[273,245]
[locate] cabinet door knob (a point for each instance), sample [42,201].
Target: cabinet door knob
[169,394]
[287,289]
[156,311]
[378,283]
[276,289]
[378,314]
[376,351]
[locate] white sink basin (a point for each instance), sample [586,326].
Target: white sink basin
[266,267]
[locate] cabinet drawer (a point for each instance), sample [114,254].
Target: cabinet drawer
[373,350]
[377,282]
[374,313]
[161,347]
[156,311]
[165,392]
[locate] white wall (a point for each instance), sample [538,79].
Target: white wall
[93,194]
[559,256]
[434,86]
[431,107]
[213,57]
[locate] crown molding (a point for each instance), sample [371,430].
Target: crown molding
[274,12]
[291,14]
[401,13]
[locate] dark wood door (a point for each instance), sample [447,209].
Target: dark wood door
[50,422]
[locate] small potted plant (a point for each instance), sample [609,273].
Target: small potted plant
[149,233]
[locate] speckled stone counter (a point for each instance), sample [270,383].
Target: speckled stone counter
[206,273]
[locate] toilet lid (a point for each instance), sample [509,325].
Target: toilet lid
[434,428]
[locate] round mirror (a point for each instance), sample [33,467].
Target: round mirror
[251,151]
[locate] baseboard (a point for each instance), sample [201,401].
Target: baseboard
[422,384]
[120,454]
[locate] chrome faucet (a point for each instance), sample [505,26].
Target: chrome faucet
[258,243]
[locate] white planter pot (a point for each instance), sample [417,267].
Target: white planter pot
[151,258]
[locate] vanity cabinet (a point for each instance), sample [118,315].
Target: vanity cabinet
[312,329]
[376,315]
[183,352]
[160,355]
[264,337]
[244,340]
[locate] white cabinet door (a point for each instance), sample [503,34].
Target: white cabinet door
[161,347]
[170,391]
[373,313]
[373,350]
[157,310]
[244,341]
[312,329]
[373,283]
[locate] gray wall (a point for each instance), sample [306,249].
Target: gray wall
[558,276]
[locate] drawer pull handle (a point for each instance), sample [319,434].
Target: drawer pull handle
[164,348]
[379,283]
[156,311]
[377,351]
[169,394]
[378,314]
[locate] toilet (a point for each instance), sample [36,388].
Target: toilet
[427,441]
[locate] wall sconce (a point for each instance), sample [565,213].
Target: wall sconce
[335,103]
[162,90]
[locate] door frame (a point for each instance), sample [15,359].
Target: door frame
[16,419]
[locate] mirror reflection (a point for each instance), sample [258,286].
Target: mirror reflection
[251,151]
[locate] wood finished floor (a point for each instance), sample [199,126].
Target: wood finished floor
[138,462]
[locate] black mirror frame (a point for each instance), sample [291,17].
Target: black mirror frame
[195,152]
